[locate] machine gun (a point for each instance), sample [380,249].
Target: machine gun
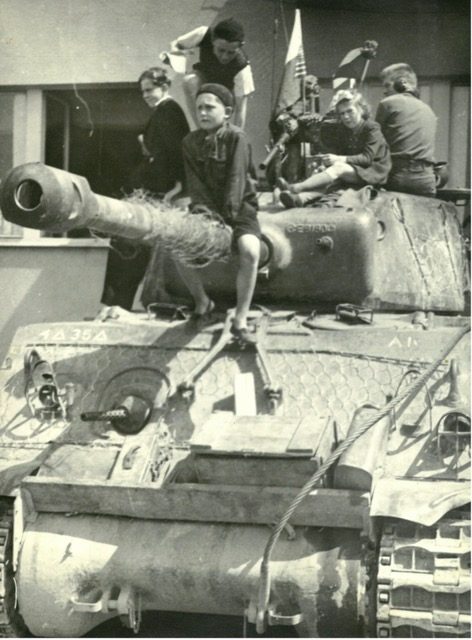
[296,123]
[288,127]
[290,131]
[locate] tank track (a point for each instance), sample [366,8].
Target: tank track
[11,623]
[423,579]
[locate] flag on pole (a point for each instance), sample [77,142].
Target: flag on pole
[295,69]
[354,65]
[345,76]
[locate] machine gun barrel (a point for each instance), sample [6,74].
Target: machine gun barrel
[285,137]
[37,196]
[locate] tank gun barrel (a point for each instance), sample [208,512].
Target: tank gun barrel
[37,196]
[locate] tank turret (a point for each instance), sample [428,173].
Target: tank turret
[376,248]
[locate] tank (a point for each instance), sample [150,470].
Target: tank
[317,480]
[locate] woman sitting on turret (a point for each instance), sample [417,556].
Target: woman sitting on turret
[360,156]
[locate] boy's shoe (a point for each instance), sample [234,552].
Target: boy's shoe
[243,335]
[282,184]
[206,314]
[290,200]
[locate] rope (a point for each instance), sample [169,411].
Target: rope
[193,239]
[264,586]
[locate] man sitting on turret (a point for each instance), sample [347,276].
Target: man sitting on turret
[222,61]
[409,126]
[218,170]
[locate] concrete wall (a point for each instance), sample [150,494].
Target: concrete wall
[54,279]
[62,42]
[90,41]
[96,41]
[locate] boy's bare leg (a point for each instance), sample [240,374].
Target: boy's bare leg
[191,84]
[194,283]
[249,247]
[312,183]
[339,170]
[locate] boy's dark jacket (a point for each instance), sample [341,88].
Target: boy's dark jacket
[219,171]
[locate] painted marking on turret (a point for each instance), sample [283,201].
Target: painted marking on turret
[311,227]
[408,344]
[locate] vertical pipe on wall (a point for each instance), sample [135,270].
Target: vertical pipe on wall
[66,139]
[460,137]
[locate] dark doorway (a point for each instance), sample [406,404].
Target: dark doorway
[92,132]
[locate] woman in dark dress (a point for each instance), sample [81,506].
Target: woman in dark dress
[162,170]
[360,156]
[160,173]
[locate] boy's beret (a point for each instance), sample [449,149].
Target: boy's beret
[219,91]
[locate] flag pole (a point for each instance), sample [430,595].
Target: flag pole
[364,72]
[275,35]
[303,93]
[369,51]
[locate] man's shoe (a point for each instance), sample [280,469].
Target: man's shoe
[282,184]
[243,335]
[290,200]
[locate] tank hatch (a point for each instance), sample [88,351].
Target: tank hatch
[261,450]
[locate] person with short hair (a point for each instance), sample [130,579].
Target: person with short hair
[222,61]
[162,170]
[218,169]
[160,173]
[359,156]
[409,126]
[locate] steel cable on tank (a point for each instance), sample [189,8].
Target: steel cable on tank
[264,587]
[417,372]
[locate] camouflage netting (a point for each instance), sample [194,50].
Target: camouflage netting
[193,239]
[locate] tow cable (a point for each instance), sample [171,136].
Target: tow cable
[261,612]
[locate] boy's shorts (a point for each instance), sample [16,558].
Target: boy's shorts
[245,223]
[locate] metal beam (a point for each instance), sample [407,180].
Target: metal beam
[197,502]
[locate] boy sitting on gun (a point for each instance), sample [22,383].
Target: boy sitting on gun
[217,159]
